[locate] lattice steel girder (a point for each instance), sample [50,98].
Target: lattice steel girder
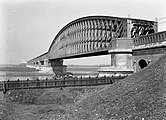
[93,33]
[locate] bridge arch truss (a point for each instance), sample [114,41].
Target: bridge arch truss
[91,34]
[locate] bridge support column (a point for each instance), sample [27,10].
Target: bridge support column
[57,66]
[121,53]
[121,57]
[122,60]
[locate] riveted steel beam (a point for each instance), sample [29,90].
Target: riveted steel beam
[94,33]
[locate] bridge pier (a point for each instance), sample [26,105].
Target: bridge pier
[121,57]
[122,60]
[57,66]
[121,53]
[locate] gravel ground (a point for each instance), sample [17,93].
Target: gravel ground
[141,96]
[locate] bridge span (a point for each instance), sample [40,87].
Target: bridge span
[95,34]
[99,35]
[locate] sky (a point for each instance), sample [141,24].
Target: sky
[28,27]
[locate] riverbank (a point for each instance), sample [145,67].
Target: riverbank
[15,72]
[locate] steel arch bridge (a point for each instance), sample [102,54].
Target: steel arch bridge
[93,34]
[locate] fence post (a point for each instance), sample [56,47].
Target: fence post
[8,85]
[61,83]
[18,85]
[46,82]
[28,83]
[97,80]
[38,84]
[4,87]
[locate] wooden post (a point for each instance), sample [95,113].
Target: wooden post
[8,85]
[4,87]
[46,82]
[61,82]
[18,83]
[38,84]
[97,80]
[28,83]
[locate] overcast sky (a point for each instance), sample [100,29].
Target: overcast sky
[27,27]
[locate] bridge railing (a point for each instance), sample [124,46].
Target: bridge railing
[150,39]
[50,83]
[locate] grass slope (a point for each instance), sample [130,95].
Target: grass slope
[43,103]
[141,96]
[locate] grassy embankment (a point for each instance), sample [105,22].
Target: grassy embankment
[44,104]
[137,97]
